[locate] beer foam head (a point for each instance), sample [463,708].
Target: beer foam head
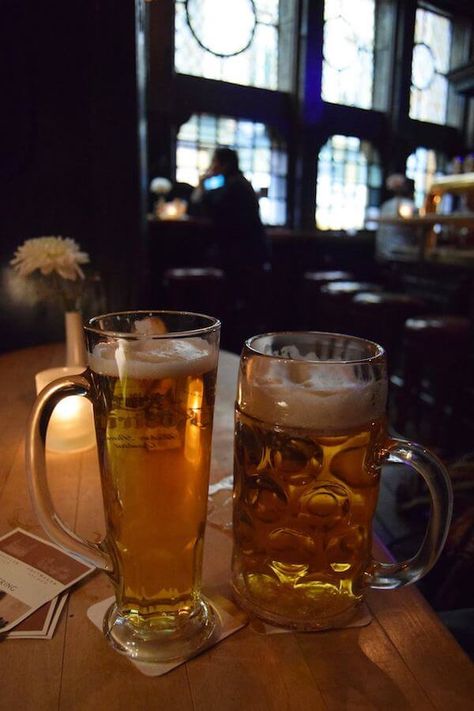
[328,396]
[146,359]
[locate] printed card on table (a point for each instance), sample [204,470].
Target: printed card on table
[42,623]
[32,573]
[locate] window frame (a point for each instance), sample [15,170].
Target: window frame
[298,113]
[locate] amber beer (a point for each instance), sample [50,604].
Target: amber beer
[303,518]
[154,437]
[151,381]
[307,466]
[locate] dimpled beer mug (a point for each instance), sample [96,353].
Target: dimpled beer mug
[151,380]
[310,439]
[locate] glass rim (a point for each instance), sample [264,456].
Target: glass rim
[214,324]
[378,354]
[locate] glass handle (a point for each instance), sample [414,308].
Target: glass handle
[435,474]
[35,460]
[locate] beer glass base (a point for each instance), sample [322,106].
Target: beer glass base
[313,624]
[166,639]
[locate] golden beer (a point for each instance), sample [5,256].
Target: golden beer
[154,437]
[309,435]
[304,502]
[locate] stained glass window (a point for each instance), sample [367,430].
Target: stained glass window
[349,181]
[430,64]
[262,158]
[348,52]
[422,166]
[231,40]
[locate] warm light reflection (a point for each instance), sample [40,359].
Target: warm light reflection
[174,210]
[71,426]
[405,209]
[192,446]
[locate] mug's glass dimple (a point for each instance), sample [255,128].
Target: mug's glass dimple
[310,437]
[151,380]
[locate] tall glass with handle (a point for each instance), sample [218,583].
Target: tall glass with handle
[151,380]
[310,439]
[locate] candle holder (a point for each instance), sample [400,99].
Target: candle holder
[71,427]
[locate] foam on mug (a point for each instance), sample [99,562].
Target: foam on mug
[328,397]
[152,359]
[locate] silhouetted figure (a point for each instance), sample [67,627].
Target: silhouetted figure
[396,239]
[228,199]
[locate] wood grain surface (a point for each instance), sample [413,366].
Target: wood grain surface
[404,659]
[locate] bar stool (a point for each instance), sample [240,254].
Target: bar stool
[310,293]
[334,304]
[202,290]
[380,316]
[436,353]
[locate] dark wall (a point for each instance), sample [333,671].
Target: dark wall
[68,144]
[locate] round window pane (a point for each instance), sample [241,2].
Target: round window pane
[423,68]
[231,29]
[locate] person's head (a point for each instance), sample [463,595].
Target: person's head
[225,161]
[400,185]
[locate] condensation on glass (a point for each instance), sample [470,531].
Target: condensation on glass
[348,184]
[234,41]
[262,157]
[422,166]
[430,64]
[348,52]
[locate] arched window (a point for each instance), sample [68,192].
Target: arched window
[348,52]
[430,64]
[262,157]
[228,40]
[422,166]
[348,185]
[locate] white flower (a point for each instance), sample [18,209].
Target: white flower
[160,186]
[50,254]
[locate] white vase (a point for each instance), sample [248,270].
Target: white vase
[75,342]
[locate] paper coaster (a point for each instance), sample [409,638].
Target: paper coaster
[362,618]
[230,619]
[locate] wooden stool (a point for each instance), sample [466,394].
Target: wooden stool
[310,293]
[334,304]
[380,316]
[436,353]
[201,290]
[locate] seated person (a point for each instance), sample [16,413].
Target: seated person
[393,240]
[227,198]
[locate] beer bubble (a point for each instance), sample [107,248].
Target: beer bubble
[325,506]
[297,460]
[249,449]
[292,546]
[245,535]
[346,548]
[266,499]
[351,466]
[340,567]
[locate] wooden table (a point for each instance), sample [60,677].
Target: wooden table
[405,658]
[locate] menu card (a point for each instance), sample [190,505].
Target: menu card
[34,575]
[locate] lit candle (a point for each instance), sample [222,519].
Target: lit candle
[71,426]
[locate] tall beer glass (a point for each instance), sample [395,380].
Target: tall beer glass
[151,380]
[310,438]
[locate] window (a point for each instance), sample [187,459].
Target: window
[422,166]
[348,52]
[430,64]
[349,180]
[231,40]
[262,158]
